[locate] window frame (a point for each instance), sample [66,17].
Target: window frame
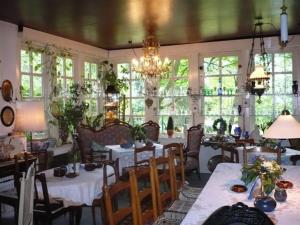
[273,73]
[31,75]
[174,77]
[240,78]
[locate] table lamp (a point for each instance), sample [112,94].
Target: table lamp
[30,117]
[284,127]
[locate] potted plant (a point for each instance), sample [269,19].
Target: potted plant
[71,112]
[138,134]
[170,127]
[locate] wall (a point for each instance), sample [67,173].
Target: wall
[8,65]
[10,43]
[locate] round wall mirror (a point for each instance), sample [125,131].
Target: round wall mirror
[7,90]
[7,116]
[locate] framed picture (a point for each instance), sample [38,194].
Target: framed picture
[7,90]
[7,116]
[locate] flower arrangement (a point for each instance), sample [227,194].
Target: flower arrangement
[267,171]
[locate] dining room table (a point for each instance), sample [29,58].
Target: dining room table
[217,193]
[126,155]
[79,190]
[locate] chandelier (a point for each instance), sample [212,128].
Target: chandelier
[150,66]
[257,76]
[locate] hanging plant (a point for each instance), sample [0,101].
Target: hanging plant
[108,77]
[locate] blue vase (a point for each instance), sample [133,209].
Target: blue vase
[265,203]
[237,131]
[280,195]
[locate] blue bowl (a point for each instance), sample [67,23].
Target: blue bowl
[126,145]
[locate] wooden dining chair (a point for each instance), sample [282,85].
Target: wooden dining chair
[163,171]
[47,209]
[143,150]
[143,198]
[231,149]
[99,202]
[11,196]
[184,191]
[114,213]
[192,149]
[152,130]
[261,149]
[26,197]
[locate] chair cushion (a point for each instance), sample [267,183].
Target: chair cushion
[188,193]
[166,221]
[54,205]
[178,209]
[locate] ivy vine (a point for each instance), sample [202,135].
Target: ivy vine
[52,52]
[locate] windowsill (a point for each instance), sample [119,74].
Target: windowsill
[174,136]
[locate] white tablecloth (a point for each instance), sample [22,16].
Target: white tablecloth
[80,190]
[126,155]
[217,193]
[207,152]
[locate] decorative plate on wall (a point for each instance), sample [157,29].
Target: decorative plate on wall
[7,116]
[7,90]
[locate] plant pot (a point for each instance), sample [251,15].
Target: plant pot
[170,133]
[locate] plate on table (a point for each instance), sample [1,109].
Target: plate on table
[238,188]
[71,175]
[90,166]
[284,184]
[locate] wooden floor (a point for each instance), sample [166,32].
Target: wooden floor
[193,180]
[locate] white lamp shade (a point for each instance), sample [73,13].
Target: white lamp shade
[284,28]
[258,73]
[284,127]
[30,116]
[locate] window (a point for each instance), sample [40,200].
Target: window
[31,74]
[173,99]
[220,90]
[91,77]
[134,97]
[279,95]
[64,68]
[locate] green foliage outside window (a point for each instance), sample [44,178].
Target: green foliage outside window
[31,74]
[279,95]
[134,97]
[220,90]
[173,98]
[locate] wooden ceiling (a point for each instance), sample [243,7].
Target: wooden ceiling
[110,24]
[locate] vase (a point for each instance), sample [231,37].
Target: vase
[280,195]
[263,201]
